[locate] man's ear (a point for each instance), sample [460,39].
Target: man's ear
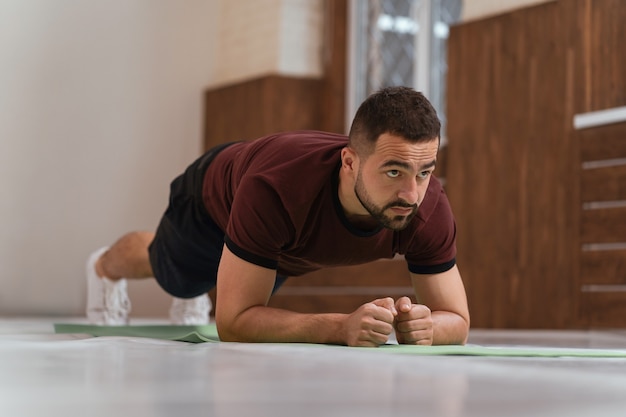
[349,159]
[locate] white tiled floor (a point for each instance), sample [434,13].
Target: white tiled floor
[42,374]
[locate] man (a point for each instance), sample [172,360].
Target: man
[247,215]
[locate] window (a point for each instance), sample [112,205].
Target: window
[400,42]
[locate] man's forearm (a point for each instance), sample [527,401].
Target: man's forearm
[267,324]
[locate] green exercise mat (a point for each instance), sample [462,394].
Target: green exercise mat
[191,334]
[208,333]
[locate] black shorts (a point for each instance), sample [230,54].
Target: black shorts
[187,247]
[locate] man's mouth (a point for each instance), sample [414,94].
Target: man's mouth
[401,211]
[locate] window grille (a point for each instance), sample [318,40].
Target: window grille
[400,42]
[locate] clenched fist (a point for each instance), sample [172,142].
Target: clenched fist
[371,324]
[413,323]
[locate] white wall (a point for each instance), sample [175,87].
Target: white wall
[100,107]
[263,37]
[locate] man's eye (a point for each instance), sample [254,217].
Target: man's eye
[424,174]
[394,173]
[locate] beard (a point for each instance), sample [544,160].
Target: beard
[394,222]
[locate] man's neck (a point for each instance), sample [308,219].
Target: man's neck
[353,210]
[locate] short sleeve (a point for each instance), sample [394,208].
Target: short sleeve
[259,226]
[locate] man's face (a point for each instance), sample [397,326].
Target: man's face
[391,183]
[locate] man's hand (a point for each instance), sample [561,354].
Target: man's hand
[413,323]
[371,324]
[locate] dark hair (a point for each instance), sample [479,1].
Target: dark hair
[399,111]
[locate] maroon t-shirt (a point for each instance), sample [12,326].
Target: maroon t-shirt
[276,200]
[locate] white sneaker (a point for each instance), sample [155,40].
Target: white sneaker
[191,311]
[107,300]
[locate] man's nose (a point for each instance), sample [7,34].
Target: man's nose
[410,192]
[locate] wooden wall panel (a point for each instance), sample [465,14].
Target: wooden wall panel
[262,106]
[604,309]
[604,184]
[332,302]
[603,267]
[604,35]
[602,142]
[333,100]
[383,273]
[510,169]
[343,289]
[603,225]
[515,176]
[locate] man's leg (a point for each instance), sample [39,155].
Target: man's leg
[107,270]
[127,258]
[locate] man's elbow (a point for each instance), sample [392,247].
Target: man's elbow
[229,329]
[225,329]
[465,329]
[453,329]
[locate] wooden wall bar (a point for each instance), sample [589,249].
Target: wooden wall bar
[603,225]
[515,176]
